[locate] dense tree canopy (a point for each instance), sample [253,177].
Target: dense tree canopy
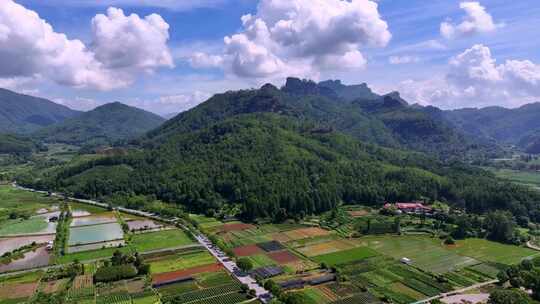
[268,162]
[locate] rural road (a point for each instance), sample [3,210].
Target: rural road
[455,292]
[530,245]
[261,293]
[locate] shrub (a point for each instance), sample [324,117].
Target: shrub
[244,264]
[449,241]
[115,273]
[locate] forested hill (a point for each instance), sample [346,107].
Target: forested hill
[355,110]
[24,114]
[103,125]
[271,164]
[520,126]
[16,144]
[279,152]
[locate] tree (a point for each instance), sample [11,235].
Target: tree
[244,264]
[500,226]
[397,225]
[502,276]
[508,296]
[463,227]
[293,298]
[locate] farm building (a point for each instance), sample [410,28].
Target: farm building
[267,272]
[293,284]
[410,207]
[322,279]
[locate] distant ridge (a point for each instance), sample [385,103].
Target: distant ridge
[24,114]
[103,125]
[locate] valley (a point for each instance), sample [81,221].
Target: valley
[302,194]
[269,152]
[322,259]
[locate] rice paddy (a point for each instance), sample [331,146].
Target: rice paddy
[95,234]
[160,240]
[424,252]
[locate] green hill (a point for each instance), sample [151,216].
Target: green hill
[25,114]
[519,126]
[387,120]
[16,144]
[294,150]
[103,125]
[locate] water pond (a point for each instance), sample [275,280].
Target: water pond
[93,220]
[10,244]
[38,258]
[95,234]
[95,246]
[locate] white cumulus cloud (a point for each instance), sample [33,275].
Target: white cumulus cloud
[304,37]
[122,47]
[477,20]
[475,79]
[121,41]
[403,59]
[203,60]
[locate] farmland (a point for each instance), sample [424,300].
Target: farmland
[493,252]
[345,256]
[89,232]
[301,257]
[369,265]
[426,253]
[160,240]
[531,178]
[180,261]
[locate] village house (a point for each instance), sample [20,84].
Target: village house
[410,207]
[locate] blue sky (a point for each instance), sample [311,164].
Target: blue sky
[487,53]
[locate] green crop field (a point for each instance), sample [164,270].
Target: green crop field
[178,288]
[315,296]
[28,277]
[31,225]
[248,237]
[86,207]
[181,261]
[522,177]
[261,260]
[346,256]
[90,255]
[489,251]
[12,199]
[212,279]
[424,252]
[160,240]
[146,299]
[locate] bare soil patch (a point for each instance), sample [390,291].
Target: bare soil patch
[304,233]
[283,257]
[170,276]
[324,248]
[236,227]
[358,213]
[247,250]
[17,291]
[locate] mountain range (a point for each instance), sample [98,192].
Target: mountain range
[385,120]
[25,114]
[299,149]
